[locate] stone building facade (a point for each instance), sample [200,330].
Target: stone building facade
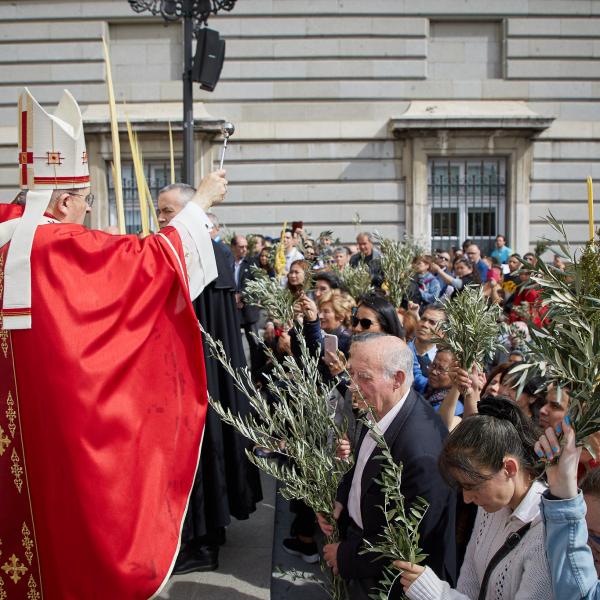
[444,119]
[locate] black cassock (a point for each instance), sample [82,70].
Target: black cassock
[226,482]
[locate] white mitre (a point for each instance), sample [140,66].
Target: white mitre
[52,155]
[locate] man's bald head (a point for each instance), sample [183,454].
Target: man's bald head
[380,366]
[171,201]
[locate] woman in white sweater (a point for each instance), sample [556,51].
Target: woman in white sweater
[491,457]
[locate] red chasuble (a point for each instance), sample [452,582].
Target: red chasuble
[102,408]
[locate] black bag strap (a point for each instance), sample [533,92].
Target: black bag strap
[512,541]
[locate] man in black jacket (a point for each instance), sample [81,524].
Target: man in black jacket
[249,314]
[381,368]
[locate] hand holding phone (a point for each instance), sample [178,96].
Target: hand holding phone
[330,343]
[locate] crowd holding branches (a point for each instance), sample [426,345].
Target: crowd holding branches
[545,317]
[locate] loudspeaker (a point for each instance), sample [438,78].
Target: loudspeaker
[208,60]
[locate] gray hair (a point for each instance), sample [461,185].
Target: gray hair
[366,234]
[186,192]
[342,250]
[394,358]
[214,219]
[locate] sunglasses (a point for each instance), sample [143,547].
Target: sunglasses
[364,323]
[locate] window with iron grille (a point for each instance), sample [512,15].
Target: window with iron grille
[158,174]
[467,199]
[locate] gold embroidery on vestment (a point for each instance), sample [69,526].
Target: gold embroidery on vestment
[2,590]
[14,568]
[4,340]
[27,543]
[33,593]
[11,414]
[16,469]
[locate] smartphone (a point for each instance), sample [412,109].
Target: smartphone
[330,343]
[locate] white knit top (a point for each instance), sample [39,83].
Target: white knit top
[522,575]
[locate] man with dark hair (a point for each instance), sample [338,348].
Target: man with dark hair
[501,252]
[380,367]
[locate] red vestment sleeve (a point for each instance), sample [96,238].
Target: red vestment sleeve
[112,401]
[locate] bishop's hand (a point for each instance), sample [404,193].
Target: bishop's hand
[212,190]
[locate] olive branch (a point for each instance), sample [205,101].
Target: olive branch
[472,329]
[399,539]
[565,348]
[396,263]
[299,423]
[357,280]
[265,292]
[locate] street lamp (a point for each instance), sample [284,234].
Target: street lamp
[194,13]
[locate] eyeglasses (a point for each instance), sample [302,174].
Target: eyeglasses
[89,199]
[443,257]
[364,323]
[437,369]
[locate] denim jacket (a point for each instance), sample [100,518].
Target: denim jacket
[570,558]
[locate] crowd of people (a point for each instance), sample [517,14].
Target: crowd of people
[100,449]
[469,442]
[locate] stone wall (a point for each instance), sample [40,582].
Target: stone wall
[312,86]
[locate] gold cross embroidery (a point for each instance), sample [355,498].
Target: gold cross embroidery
[14,568]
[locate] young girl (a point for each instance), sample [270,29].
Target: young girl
[491,456]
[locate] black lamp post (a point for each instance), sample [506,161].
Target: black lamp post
[194,13]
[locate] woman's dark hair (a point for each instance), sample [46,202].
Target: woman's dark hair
[331,278]
[480,442]
[475,276]
[386,314]
[499,369]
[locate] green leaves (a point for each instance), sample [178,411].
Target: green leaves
[400,537]
[396,264]
[472,329]
[298,422]
[566,347]
[266,292]
[357,280]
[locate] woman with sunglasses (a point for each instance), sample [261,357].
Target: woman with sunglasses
[492,457]
[374,314]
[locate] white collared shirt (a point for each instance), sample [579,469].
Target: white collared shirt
[364,454]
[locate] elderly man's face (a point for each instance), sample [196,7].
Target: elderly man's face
[75,208]
[169,206]
[369,379]
[365,246]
